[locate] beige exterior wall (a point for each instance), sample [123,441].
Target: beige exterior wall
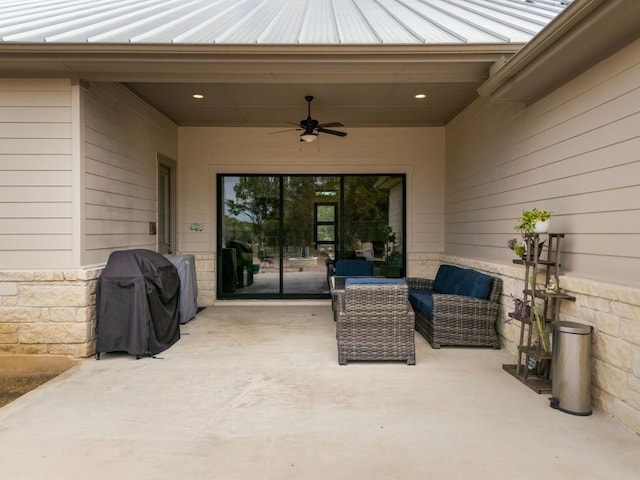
[206,152]
[575,153]
[122,137]
[36,173]
[78,170]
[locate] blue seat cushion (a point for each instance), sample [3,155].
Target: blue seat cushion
[422,300]
[348,268]
[462,281]
[374,281]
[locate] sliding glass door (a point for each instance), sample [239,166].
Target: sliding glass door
[279,234]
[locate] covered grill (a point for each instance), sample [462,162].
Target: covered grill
[138,299]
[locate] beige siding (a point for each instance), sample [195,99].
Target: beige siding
[418,152]
[36,192]
[122,139]
[575,153]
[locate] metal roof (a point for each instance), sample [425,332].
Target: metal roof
[246,22]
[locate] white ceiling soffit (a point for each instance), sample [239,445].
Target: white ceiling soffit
[289,22]
[584,34]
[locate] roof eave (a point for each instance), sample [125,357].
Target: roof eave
[585,33]
[250,63]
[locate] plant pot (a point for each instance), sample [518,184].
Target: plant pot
[528,255]
[541,226]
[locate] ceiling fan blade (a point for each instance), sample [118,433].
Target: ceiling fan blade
[334,124]
[332,132]
[282,131]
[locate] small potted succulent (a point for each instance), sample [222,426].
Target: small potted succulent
[532,222]
[529,224]
[518,247]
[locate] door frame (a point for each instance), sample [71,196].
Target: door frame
[171,165]
[340,247]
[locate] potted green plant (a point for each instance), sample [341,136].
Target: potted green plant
[518,247]
[532,222]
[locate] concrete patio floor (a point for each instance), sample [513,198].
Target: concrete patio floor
[256,392]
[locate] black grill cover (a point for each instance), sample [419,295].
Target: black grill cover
[138,298]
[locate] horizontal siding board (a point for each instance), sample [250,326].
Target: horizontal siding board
[31,146]
[35,258]
[35,226]
[106,212]
[97,256]
[593,266]
[35,162]
[35,194]
[109,185]
[100,159]
[35,130]
[424,246]
[35,114]
[26,85]
[32,242]
[35,98]
[97,172]
[117,241]
[608,245]
[104,227]
[33,178]
[116,200]
[35,210]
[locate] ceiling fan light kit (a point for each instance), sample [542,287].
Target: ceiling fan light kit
[309,137]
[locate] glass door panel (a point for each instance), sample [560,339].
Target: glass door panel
[249,249]
[304,256]
[373,222]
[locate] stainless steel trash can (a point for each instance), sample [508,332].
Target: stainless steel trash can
[571,368]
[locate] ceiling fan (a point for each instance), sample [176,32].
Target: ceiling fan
[311,128]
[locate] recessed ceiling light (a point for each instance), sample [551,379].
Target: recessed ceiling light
[420,95]
[198,96]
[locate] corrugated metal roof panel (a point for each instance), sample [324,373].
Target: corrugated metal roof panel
[286,26]
[427,30]
[387,29]
[275,21]
[319,24]
[352,24]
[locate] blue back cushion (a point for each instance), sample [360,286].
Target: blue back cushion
[445,281]
[354,268]
[462,281]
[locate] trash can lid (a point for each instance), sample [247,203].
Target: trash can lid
[574,327]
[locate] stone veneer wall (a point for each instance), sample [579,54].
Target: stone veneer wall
[48,312]
[54,311]
[206,275]
[614,313]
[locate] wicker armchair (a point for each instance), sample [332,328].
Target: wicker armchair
[375,321]
[458,319]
